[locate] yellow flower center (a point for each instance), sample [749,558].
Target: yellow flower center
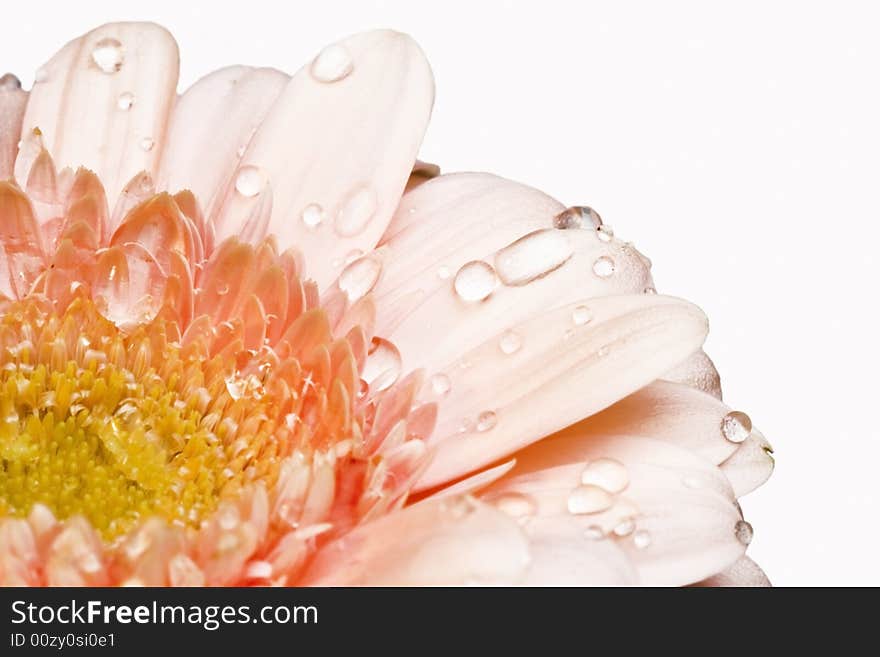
[116,427]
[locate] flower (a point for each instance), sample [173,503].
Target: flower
[245,340]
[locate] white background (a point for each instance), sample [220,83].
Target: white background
[737,145]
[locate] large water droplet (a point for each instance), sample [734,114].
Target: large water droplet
[475,281]
[9,82]
[250,181]
[589,499]
[125,101]
[606,473]
[107,55]
[312,215]
[743,532]
[533,256]
[383,365]
[440,384]
[581,315]
[510,342]
[486,421]
[359,277]
[736,426]
[356,212]
[603,267]
[332,64]
[516,505]
[578,216]
[642,539]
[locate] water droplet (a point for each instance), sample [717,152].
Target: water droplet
[147,144]
[743,532]
[578,216]
[356,212]
[510,343]
[589,499]
[440,384]
[475,281]
[359,277]
[516,505]
[581,315]
[533,256]
[650,290]
[312,215]
[332,64]
[223,289]
[608,474]
[107,55]
[41,75]
[9,82]
[603,267]
[594,532]
[604,233]
[443,272]
[250,181]
[625,527]
[383,365]
[486,421]
[641,539]
[736,426]
[125,101]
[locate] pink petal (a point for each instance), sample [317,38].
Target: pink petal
[698,371]
[456,219]
[750,465]
[211,126]
[444,542]
[494,402]
[12,104]
[99,118]
[339,151]
[744,572]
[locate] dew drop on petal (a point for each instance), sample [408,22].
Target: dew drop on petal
[250,181]
[147,144]
[581,315]
[736,426]
[107,55]
[589,499]
[360,277]
[332,64]
[440,384]
[383,365]
[312,215]
[642,539]
[356,212]
[604,233]
[743,532]
[533,256]
[516,505]
[650,290]
[475,281]
[625,527]
[9,82]
[578,216]
[125,101]
[608,474]
[603,267]
[510,342]
[594,532]
[486,421]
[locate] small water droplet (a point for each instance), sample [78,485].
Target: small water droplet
[743,532]
[250,181]
[533,256]
[332,64]
[360,277]
[486,421]
[625,527]
[736,426]
[581,315]
[603,267]
[443,272]
[440,384]
[642,539]
[475,281]
[41,75]
[594,532]
[516,505]
[223,289]
[356,212]
[605,233]
[609,474]
[578,216]
[510,343]
[589,499]
[9,82]
[312,215]
[125,101]
[107,55]
[147,144]
[650,290]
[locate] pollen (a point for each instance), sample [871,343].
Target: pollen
[116,427]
